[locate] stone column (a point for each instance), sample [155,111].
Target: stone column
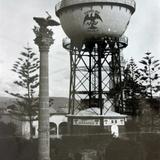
[44,40]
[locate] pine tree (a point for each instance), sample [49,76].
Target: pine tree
[26,67]
[150,79]
[133,90]
[150,75]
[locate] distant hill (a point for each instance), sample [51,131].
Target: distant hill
[6,101]
[58,105]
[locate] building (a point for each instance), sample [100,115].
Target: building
[86,121]
[58,111]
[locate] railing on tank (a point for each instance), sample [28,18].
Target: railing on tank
[62,4]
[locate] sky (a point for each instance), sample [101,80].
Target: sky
[16,18]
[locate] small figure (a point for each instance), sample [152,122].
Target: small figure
[115,131]
[49,16]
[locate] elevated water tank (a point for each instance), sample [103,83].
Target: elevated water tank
[87,19]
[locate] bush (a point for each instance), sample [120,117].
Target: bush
[15,148]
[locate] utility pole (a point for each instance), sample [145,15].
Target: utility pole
[44,40]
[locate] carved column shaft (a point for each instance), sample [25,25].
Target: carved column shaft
[44,134]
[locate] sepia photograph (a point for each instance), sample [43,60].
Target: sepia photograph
[80,80]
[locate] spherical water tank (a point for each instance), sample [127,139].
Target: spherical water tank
[87,19]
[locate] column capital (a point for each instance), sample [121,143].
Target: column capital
[43,37]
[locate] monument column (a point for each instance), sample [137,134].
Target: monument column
[44,40]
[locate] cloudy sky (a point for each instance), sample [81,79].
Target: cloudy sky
[16,18]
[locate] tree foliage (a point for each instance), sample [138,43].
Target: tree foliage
[149,74]
[131,80]
[140,86]
[133,90]
[26,67]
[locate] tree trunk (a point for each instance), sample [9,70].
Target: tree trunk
[31,127]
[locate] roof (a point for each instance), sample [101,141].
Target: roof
[96,111]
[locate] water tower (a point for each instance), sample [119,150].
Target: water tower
[96,37]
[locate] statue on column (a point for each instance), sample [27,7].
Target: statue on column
[43,34]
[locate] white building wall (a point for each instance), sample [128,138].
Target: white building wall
[57,119]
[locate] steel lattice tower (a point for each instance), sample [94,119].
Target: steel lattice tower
[95,78]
